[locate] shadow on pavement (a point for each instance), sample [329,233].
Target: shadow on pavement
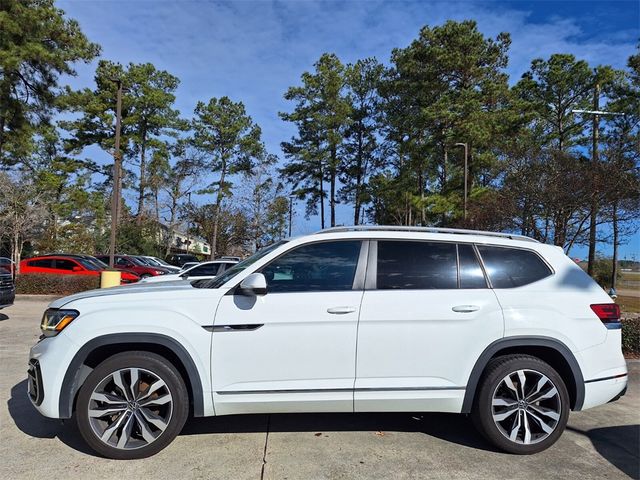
[620,446]
[449,427]
[3,317]
[446,426]
[32,423]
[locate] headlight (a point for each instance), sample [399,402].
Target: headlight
[54,321]
[160,272]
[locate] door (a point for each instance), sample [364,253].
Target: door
[293,349]
[426,316]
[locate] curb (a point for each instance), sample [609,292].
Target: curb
[37,298]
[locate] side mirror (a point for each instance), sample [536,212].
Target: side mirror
[254,285]
[185,275]
[612,293]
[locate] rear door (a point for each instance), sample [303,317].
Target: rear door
[427,314]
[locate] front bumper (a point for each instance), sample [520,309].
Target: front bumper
[48,362]
[7,297]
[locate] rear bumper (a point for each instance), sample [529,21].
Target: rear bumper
[601,391]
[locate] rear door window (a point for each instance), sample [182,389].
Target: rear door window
[207,269]
[65,264]
[512,267]
[42,263]
[416,265]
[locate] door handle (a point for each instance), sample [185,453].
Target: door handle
[465,308]
[341,310]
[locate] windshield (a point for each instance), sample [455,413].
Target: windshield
[146,261]
[90,264]
[153,262]
[162,262]
[238,267]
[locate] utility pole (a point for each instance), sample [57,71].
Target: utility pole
[595,158]
[466,174]
[117,167]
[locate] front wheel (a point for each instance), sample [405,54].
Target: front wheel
[522,406]
[132,405]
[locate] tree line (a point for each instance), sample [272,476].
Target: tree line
[385,140]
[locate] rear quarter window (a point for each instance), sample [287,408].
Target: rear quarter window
[512,267]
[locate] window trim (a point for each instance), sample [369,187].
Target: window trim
[544,261]
[358,276]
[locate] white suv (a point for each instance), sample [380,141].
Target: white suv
[370,319]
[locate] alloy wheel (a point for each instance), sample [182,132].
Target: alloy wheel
[130,408]
[526,406]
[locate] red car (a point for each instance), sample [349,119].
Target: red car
[133,264]
[70,265]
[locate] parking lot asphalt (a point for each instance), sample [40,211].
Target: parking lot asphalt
[599,443]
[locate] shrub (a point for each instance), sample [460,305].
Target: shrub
[631,335]
[52,284]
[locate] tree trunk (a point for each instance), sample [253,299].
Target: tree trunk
[216,218]
[359,177]
[15,251]
[141,186]
[321,198]
[332,179]
[614,263]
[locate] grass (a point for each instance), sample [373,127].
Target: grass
[628,304]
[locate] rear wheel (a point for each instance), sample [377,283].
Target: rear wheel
[132,405]
[522,406]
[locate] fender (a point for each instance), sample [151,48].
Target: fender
[75,374]
[523,341]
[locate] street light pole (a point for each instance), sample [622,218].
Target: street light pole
[117,167]
[466,174]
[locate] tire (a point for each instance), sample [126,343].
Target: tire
[515,421]
[132,426]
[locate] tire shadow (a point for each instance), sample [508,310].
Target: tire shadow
[3,317]
[620,446]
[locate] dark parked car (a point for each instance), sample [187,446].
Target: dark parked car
[7,288]
[133,264]
[179,259]
[6,265]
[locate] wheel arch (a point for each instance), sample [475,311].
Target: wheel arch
[550,350]
[104,346]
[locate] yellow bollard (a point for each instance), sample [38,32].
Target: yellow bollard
[110,278]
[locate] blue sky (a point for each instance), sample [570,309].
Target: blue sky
[254,50]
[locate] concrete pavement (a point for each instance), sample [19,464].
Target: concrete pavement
[599,443]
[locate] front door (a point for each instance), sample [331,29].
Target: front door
[426,316]
[293,349]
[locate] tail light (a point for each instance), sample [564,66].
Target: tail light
[608,313]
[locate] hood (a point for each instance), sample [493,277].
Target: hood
[122,290]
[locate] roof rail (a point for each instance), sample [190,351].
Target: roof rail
[402,228]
